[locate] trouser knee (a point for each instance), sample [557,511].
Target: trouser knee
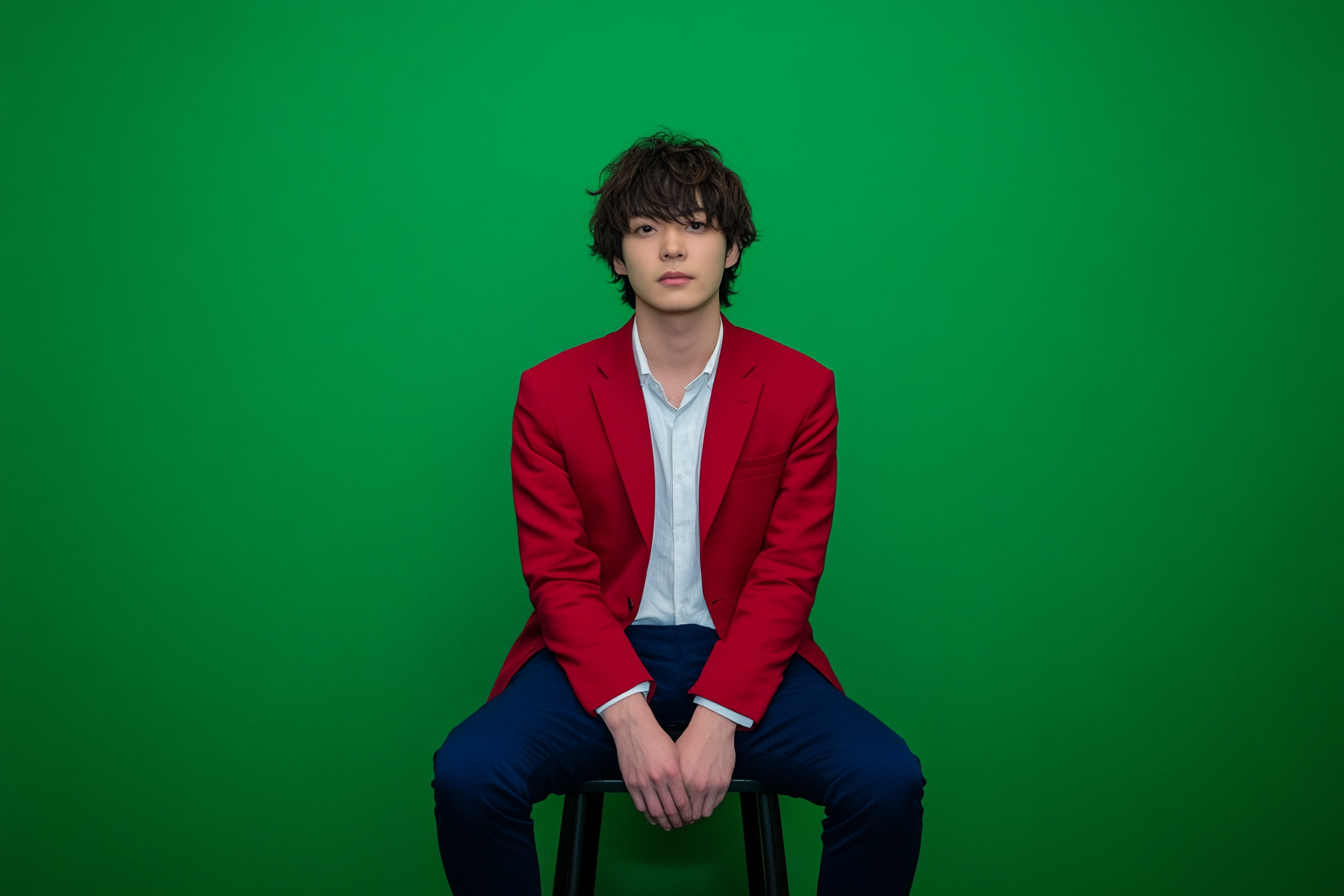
[886,785]
[470,783]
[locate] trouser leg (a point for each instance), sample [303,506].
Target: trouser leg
[535,739]
[532,740]
[817,744]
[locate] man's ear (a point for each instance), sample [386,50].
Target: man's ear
[618,266]
[733,255]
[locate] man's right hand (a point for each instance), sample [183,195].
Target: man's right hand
[649,763]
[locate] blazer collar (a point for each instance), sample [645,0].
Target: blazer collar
[732,405]
[620,404]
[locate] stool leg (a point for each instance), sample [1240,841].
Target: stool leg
[751,839]
[580,832]
[592,837]
[772,836]
[567,855]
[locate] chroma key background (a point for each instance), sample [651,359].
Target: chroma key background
[269,273]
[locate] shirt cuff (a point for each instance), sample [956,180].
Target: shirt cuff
[721,710]
[641,688]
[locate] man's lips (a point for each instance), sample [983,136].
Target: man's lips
[675,278]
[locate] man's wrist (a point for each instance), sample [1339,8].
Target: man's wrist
[735,717]
[630,712]
[720,726]
[641,688]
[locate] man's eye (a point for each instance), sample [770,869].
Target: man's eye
[644,228]
[697,225]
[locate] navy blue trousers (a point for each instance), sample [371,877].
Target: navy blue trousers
[535,739]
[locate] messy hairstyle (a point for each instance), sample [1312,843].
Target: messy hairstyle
[669,177]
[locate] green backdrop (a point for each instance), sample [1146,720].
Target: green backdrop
[270,272]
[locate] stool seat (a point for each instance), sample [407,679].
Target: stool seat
[616,785]
[581,828]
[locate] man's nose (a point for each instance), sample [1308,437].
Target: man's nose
[672,245]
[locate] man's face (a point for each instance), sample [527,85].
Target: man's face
[674,266]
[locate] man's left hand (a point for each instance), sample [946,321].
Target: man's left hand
[707,757]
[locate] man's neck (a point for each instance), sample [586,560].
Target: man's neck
[677,346]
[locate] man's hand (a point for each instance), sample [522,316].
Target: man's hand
[649,763]
[707,758]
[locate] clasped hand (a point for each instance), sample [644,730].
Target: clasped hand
[672,782]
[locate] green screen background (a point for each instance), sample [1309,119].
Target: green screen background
[270,272]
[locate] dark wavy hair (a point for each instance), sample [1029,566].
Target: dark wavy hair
[670,177]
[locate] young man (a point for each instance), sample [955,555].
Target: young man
[674,483]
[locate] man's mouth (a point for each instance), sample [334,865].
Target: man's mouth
[675,278]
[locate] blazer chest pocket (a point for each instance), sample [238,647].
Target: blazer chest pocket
[760,467]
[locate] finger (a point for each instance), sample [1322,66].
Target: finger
[681,800]
[673,810]
[657,809]
[714,799]
[699,802]
[670,814]
[703,808]
[646,804]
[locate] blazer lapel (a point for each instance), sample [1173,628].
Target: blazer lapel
[620,403]
[732,404]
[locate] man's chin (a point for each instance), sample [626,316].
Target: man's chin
[678,302]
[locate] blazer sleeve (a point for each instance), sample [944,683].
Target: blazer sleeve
[770,620]
[563,574]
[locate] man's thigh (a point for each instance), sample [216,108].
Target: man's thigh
[533,739]
[815,743]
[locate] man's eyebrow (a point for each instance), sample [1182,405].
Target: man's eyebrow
[675,214]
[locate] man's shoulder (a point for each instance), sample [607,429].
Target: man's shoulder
[577,362]
[776,358]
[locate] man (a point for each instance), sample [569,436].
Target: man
[674,483]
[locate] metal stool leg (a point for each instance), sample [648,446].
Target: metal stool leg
[580,832]
[751,839]
[772,837]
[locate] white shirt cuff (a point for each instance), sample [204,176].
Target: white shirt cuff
[641,688]
[723,711]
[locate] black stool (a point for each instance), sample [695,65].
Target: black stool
[581,825]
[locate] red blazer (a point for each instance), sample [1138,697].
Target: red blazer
[583,487]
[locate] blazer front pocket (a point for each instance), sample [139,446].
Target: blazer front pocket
[766,465]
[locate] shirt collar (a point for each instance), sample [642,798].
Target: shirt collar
[708,373]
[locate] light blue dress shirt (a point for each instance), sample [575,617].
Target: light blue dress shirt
[673,594]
